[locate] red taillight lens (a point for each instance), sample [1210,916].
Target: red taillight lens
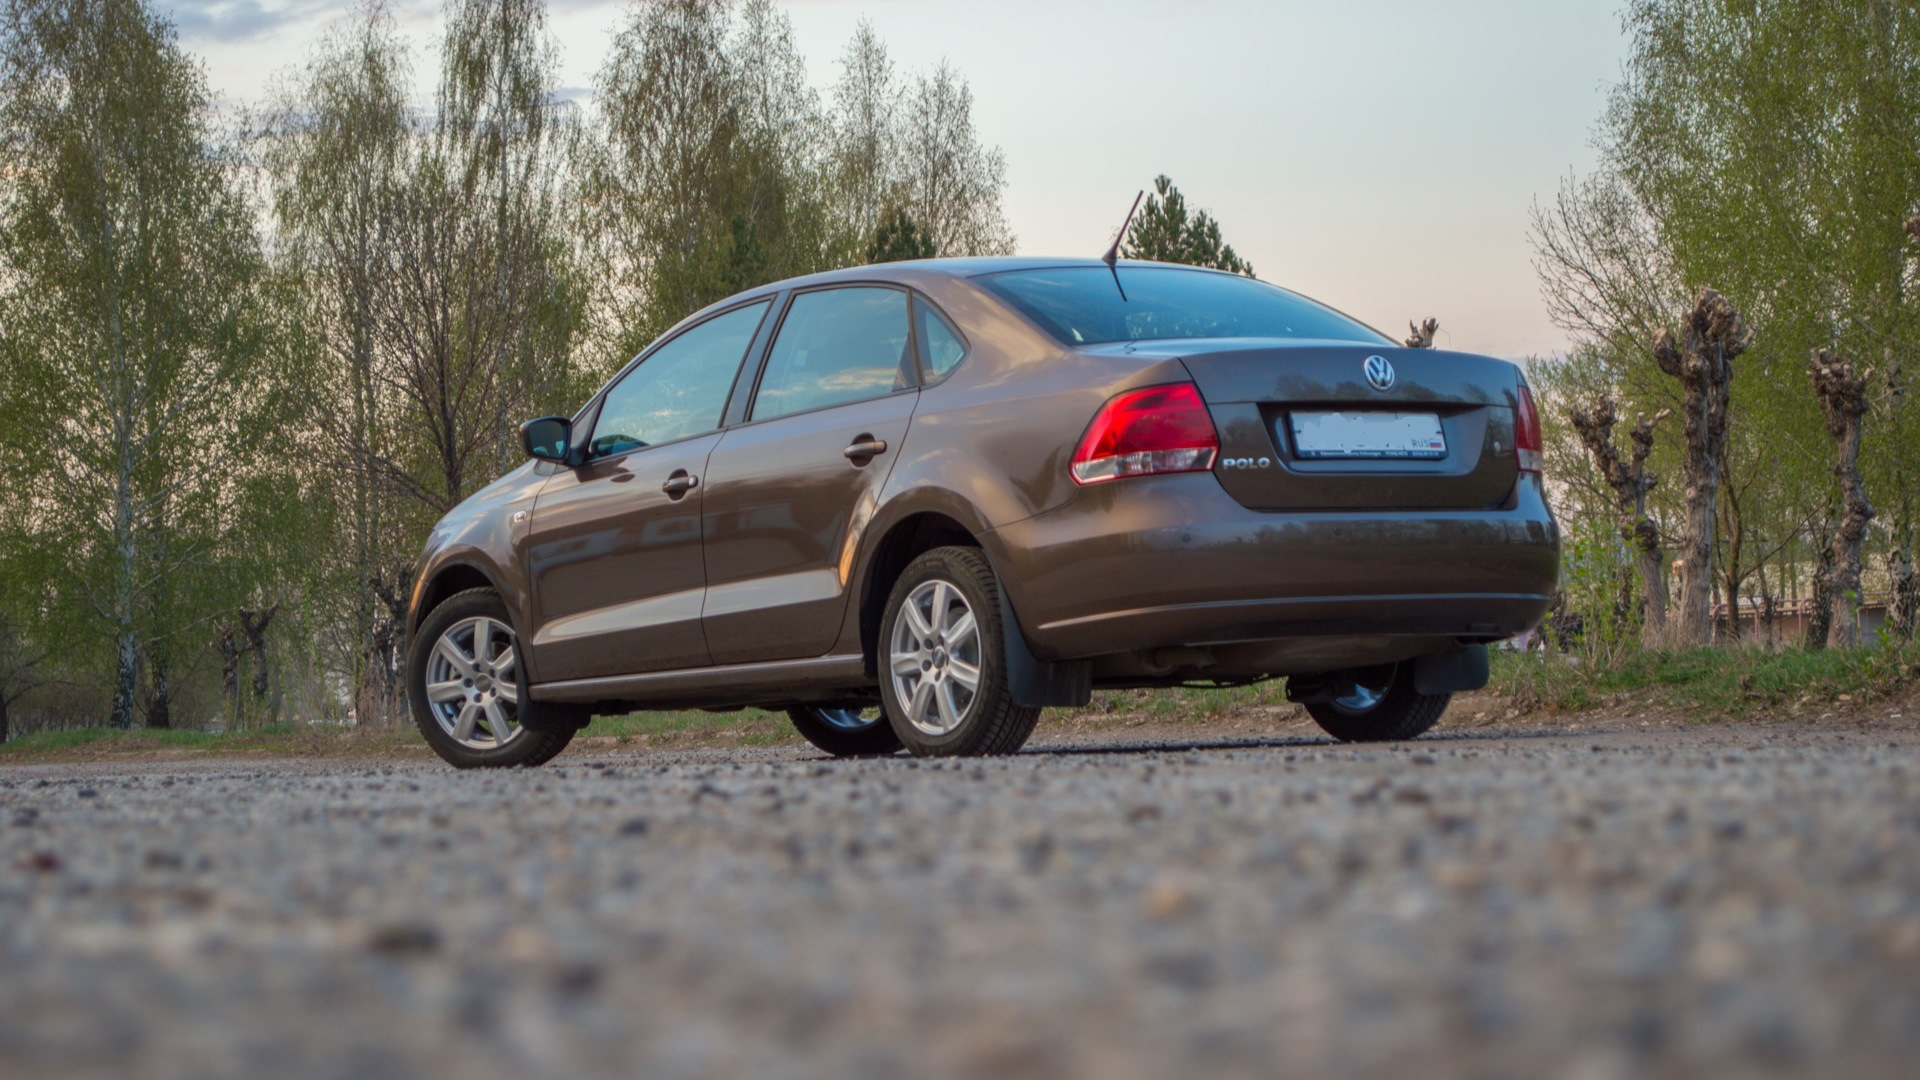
[1161,429]
[1526,432]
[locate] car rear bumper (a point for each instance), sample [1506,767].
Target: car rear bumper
[1173,561]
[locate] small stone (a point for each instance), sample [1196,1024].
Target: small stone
[1168,900]
[405,939]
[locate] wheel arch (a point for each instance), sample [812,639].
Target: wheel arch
[906,539]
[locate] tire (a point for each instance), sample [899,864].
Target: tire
[926,658]
[846,730]
[1383,708]
[477,703]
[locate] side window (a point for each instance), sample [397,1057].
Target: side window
[681,389]
[941,343]
[836,346]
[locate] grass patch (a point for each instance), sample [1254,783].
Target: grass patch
[1708,682]
[751,727]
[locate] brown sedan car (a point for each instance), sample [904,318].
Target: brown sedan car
[913,504]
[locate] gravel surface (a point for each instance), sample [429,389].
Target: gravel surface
[1693,901]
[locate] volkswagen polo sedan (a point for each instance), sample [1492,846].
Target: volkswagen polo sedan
[914,504]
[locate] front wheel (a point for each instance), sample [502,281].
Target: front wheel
[1383,706]
[850,730]
[943,672]
[468,689]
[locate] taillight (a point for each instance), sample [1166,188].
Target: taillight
[1161,429]
[1526,432]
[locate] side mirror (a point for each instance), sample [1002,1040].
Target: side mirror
[549,438]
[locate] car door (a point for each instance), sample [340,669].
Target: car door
[790,491]
[614,546]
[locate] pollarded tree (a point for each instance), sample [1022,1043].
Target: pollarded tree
[1842,393]
[130,308]
[1166,231]
[1630,481]
[1701,358]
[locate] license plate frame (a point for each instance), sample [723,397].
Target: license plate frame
[1366,435]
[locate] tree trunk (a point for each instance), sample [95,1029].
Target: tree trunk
[229,648]
[1702,359]
[6,720]
[254,625]
[1842,394]
[1630,482]
[160,706]
[1422,336]
[1820,609]
[1903,614]
[1768,613]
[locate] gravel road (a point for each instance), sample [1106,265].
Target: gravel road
[1732,900]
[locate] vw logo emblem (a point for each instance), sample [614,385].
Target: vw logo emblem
[1379,373]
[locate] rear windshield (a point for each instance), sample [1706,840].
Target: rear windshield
[1082,305]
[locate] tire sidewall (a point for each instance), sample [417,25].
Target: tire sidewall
[955,566]
[874,740]
[1401,713]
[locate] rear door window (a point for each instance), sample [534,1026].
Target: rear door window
[680,389]
[939,341]
[837,346]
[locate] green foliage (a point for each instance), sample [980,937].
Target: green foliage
[1710,683]
[898,238]
[132,326]
[1165,231]
[1766,151]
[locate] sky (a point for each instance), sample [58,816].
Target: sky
[1381,156]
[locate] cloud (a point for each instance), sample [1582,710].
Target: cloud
[230,21]
[241,20]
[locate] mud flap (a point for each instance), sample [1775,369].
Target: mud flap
[1034,682]
[1452,672]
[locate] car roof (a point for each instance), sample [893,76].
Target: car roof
[906,270]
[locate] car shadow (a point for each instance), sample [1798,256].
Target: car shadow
[1182,746]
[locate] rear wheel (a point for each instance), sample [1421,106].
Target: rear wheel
[468,689]
[847,730]
[943,666]
[1383,706]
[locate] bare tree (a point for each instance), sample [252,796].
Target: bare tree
[952,182]
[1605,274]
[1631,481]
[1701,358]
[1843,397]
[1422,333]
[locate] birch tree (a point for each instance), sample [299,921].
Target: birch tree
[130,317]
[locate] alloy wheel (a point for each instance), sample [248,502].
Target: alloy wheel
[934,657]
[473,685]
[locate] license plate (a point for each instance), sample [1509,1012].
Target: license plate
[1368,435]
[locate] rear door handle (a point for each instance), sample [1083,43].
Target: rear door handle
[680,483]
[865,449]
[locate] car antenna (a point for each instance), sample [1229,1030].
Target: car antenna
[1112,257]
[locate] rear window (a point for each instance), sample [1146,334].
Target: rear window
[1083,305]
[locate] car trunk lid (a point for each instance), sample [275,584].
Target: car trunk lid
[1339,425]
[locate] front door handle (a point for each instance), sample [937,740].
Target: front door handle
[680,483]
[865,449]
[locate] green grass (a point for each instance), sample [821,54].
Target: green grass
[753,727]
[1708,682]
